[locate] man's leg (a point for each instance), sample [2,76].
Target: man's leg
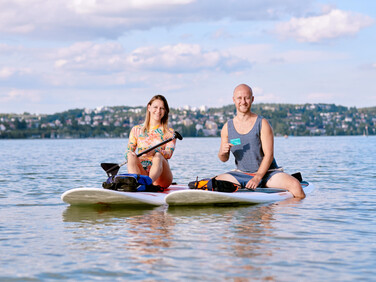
[227,177]
[288,182]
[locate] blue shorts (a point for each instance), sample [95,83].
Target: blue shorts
[244,177]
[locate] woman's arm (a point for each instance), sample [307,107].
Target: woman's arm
[132,142]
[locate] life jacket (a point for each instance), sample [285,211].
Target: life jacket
[212,184]
[130,182]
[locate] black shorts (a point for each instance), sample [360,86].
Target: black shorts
[244,177]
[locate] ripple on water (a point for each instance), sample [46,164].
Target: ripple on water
[332,229]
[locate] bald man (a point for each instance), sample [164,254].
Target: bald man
[250,138]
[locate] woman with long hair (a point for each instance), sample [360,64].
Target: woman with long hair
[143,136]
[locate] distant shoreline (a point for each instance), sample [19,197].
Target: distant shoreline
[116,122]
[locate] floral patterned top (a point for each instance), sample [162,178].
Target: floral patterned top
[143,140]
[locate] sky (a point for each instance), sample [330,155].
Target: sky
[65,54]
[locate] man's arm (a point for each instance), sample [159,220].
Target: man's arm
[224,149]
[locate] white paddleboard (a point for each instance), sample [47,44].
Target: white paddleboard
[100,196]
[203,197]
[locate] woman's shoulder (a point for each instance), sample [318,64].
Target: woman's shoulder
[137,129]
[168,133]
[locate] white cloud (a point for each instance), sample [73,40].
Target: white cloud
[87,19]
[181,58]
[336,23]
[265,53]
[304,56]
[20,95]
[7,72]
[111,57]
[114,7]
[89,56]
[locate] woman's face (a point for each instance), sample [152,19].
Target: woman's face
[157,110]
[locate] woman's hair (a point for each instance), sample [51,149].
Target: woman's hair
[164,120]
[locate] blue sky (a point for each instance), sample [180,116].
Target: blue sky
[64,54]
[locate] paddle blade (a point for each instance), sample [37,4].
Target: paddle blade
[177,135]
[110,168]
[298,176]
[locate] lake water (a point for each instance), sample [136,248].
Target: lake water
[329,236]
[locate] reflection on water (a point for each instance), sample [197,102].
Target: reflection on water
[101,213]
[204,239]
[332,229]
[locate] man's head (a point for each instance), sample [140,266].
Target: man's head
[243,98]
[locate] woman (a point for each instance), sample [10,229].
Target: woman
[153,131]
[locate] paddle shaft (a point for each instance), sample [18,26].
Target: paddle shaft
[176,135]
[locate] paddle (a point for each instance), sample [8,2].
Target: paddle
[112,169]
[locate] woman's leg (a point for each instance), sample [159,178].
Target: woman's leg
[160,171]
[134,164]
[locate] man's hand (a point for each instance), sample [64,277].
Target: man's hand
[225,148]
[253,183]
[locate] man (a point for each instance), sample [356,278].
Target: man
[250,138]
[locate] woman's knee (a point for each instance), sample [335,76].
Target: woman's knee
[158,158]
[132,157]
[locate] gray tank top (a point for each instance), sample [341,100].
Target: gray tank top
[247,148]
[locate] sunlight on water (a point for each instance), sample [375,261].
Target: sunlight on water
[327,236]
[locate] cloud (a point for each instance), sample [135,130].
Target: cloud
[307,56]
[20,95]
[183,58]
[113,7]
[334,24]
[7,72]
[263,54]
[88,19]
[89,56]
[112,58]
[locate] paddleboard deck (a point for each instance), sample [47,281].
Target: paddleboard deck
[191,197]
[100,196]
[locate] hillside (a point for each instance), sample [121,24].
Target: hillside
[286,119]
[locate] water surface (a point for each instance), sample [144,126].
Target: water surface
[328,236]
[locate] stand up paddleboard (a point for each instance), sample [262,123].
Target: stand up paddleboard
[177,195]
[100,196]
[192,197]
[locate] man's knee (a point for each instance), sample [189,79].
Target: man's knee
[286,181]
[296,188]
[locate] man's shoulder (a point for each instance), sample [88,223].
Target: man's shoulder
[265,125]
